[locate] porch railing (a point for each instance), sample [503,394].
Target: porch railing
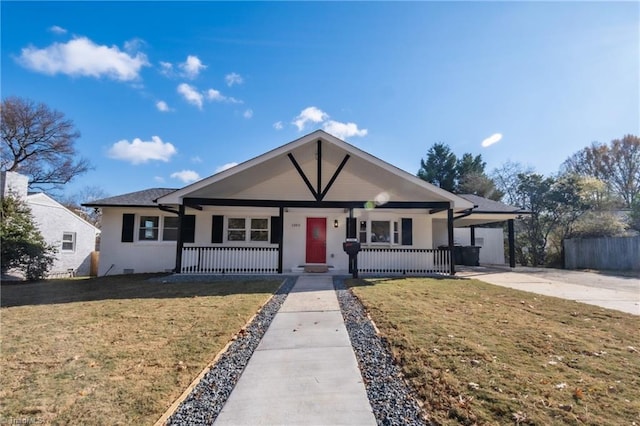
[404,261]
[229,260]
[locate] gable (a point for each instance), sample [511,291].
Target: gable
[44,208]
[334,171]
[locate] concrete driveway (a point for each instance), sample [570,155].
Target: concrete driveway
[613,292]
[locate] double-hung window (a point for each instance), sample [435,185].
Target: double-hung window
[68,241]
[170,228]
[148,228]
[248,229]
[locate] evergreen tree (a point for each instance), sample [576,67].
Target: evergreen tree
[22,246]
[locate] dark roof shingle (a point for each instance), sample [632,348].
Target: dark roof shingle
[485,205]
[142,198]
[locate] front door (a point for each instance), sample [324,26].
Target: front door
[316,240]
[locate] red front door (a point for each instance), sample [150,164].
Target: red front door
[316,240]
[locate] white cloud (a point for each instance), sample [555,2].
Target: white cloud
[197,98]
[248,113]
[162,106]
[315,115]
[57,30]
[343,130]
[233,78]
[192,67]
[186,176]
[139,151]
[495,138]
[191,95]
[82,57]
[196,159]
[158,179]
[134,45]
[309,114]
[225,167]
[216,96]
[278,125]
[166,68]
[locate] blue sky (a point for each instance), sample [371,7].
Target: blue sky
[167,92]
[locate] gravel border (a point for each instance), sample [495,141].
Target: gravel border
[206,400]
[390,397]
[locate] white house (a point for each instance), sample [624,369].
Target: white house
[285,210]
[73,237]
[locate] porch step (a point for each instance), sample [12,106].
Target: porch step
[316,268]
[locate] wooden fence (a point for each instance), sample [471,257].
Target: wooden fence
[615,253]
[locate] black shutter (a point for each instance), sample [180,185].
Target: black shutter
[188,228]
[407,231]
[276,229]
[352,231]
[217,229]
[128,224]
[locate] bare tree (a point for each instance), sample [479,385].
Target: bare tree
[38,142]
[507,180]
[87,194]
[616,164]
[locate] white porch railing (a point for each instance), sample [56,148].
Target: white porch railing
[229,260]
[404,261]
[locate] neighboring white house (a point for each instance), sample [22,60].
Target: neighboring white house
[73,237]
[290,207]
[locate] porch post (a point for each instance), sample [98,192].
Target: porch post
[512,244]
[473,235]
[452,270]
[280,239]
[179,243]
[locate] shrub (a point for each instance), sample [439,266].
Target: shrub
[22,246]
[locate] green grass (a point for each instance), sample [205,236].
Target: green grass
[480,354]
[115,350]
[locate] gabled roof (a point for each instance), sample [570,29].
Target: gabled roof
[144,198]
[276,162]
[485,205]
[43,200]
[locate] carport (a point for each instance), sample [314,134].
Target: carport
[488,211]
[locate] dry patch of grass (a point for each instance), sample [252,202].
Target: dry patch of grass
[481,354]
[114,350]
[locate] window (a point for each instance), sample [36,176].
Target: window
[68,241]
[379,231]
[236,229]
[362,234]
[248,229]
[396,234]
[148,228]
[170,228]
[259,230]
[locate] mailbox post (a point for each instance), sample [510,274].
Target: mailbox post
[351,246]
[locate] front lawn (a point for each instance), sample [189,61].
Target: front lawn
[478,353]
[113,350]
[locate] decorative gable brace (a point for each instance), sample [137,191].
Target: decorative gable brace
[318,193]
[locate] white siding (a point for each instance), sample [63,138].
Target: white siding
[491,241]
[53,221]
[159,256]
[143,256]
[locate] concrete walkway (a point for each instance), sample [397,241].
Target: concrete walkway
[304,371]
[619,293]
